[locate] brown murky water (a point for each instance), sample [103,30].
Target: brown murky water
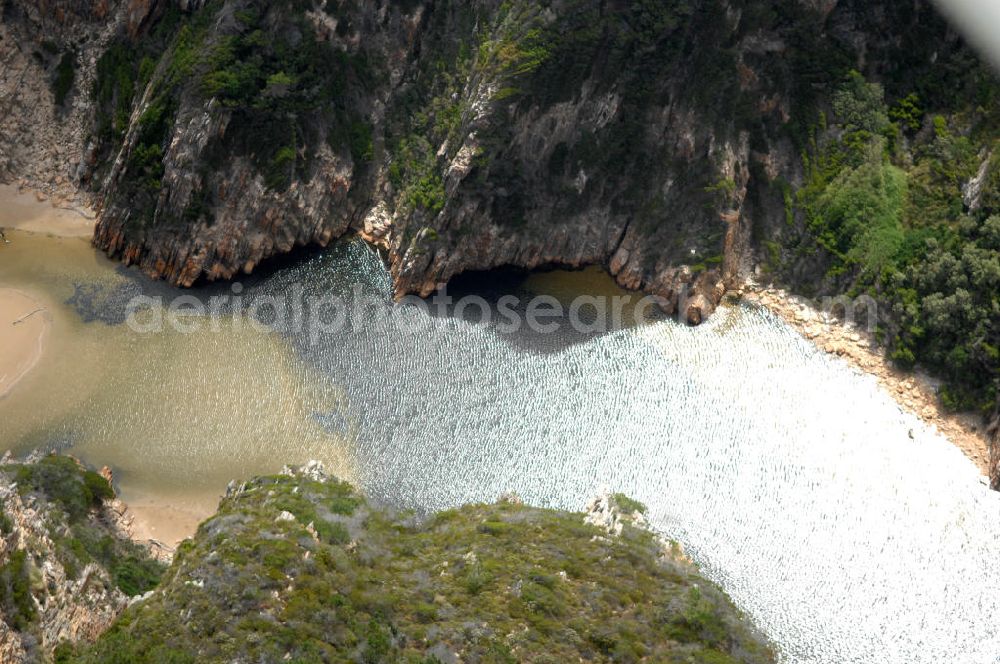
[176,415]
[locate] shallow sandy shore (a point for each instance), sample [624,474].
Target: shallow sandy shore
[167,524]
[32,212]
[24,323]
[24,326]
[913,392]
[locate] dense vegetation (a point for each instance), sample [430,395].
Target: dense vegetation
[303,569]
[887,203]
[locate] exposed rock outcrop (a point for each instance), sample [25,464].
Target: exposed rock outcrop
[49,52]
[993,433]
[65,560]
[244,216]
[651,138]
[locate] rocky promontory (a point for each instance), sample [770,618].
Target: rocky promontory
[301,567]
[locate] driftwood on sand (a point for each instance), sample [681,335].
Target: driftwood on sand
[27,316]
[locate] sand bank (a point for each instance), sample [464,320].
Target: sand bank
[30,211]
[24,326]
[158,521]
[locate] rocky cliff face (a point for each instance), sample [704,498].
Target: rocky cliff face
[679,144]
[247,173]
[67,567]
[465,136]
[49,52]
[658,139]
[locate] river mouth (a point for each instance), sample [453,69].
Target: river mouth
[792,480]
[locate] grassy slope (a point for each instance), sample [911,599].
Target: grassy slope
[298,570]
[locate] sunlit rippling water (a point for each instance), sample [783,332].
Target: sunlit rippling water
[792,479]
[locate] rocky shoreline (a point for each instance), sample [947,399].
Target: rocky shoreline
[913,392]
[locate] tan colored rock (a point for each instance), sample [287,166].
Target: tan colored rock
[698,309]
[993,435]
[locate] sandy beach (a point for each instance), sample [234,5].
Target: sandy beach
[32,212]
[24,326]
[168,522]
[24,323]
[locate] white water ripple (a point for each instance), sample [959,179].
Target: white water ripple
[790,477]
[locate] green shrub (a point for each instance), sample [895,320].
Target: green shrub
[15,591]
[425,612]
[859,216]
[908,113]
[476,578]
[494,528]
[361,143]
[136,574]
[62,480]
[860,105]
[377,644]
[628,505]
[699,622]
[6,524]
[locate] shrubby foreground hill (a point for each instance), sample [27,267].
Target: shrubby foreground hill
[300,567]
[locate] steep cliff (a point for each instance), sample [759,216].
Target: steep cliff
[67,566]
[841,146]
[465,136]
[656,138]
[48,52]
[299,567]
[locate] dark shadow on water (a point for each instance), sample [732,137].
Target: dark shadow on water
[502,300]
[479,289]
[109,303]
